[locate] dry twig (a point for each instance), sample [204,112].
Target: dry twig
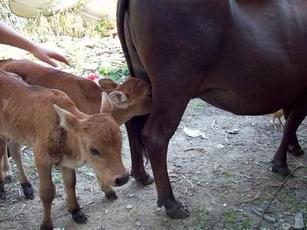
[276,193]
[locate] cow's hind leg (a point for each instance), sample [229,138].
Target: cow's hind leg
[295,117]
[159,128]
[294,146]
[134,129]
[15,151]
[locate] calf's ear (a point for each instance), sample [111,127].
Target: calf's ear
[107,84]
[67,119]
[106,103]
[119,99]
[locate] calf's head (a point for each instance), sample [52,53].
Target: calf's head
[97,140]
[131,98]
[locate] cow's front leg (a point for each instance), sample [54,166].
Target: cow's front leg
[134,129]
[69,178]
[159,128]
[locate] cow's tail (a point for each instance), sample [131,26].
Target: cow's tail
[122,8]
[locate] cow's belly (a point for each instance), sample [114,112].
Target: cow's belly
[253,93]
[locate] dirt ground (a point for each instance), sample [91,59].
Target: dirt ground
[221,178]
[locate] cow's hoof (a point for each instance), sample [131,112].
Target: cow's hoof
[144,180]
[296,151]
[28,191]
[280,169]
[177,212]
[47,226]
[79,217]
[2,191]
[111,195]
[8,179]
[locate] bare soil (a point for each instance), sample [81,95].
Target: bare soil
[221,179]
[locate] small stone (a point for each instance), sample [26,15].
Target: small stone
[286,226]
[224,205]
[299,221]
[220,146]
[129,206]
[138,224]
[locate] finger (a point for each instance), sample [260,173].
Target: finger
[50,62]
[60,58]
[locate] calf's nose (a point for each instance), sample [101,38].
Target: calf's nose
[121,180]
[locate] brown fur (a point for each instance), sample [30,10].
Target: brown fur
[40,118]
[131,98]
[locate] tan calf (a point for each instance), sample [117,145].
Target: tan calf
[86,94]
[61,135]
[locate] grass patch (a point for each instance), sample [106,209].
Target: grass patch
[201,220]
[230,216]
[198,104]
[116,74]
[291,203]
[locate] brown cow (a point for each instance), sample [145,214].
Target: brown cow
[246,57]
[131,98]
[61,135]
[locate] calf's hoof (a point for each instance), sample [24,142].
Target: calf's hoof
[280,168]
[2,191]
[296,151]
[144,180]
[28,190]
[111,195]
[78,216]
[8,179]
[47,226]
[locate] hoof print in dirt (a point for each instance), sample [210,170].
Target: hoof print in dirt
[111,195]
[9,179]
[280,169]
[28,191]
[79,217]
[296,151]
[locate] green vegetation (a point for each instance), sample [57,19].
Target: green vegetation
[116,74]
[202,220]
[68,23]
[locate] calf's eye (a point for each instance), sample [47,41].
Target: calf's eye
[94,151]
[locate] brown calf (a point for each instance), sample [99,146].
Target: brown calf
[131,98]
[61,135]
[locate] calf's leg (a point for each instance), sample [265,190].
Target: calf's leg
[134,129]
[3,152]
[6,168]
[69,177]
[15,151]
[46,188]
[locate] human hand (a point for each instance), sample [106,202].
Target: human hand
[47,55]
